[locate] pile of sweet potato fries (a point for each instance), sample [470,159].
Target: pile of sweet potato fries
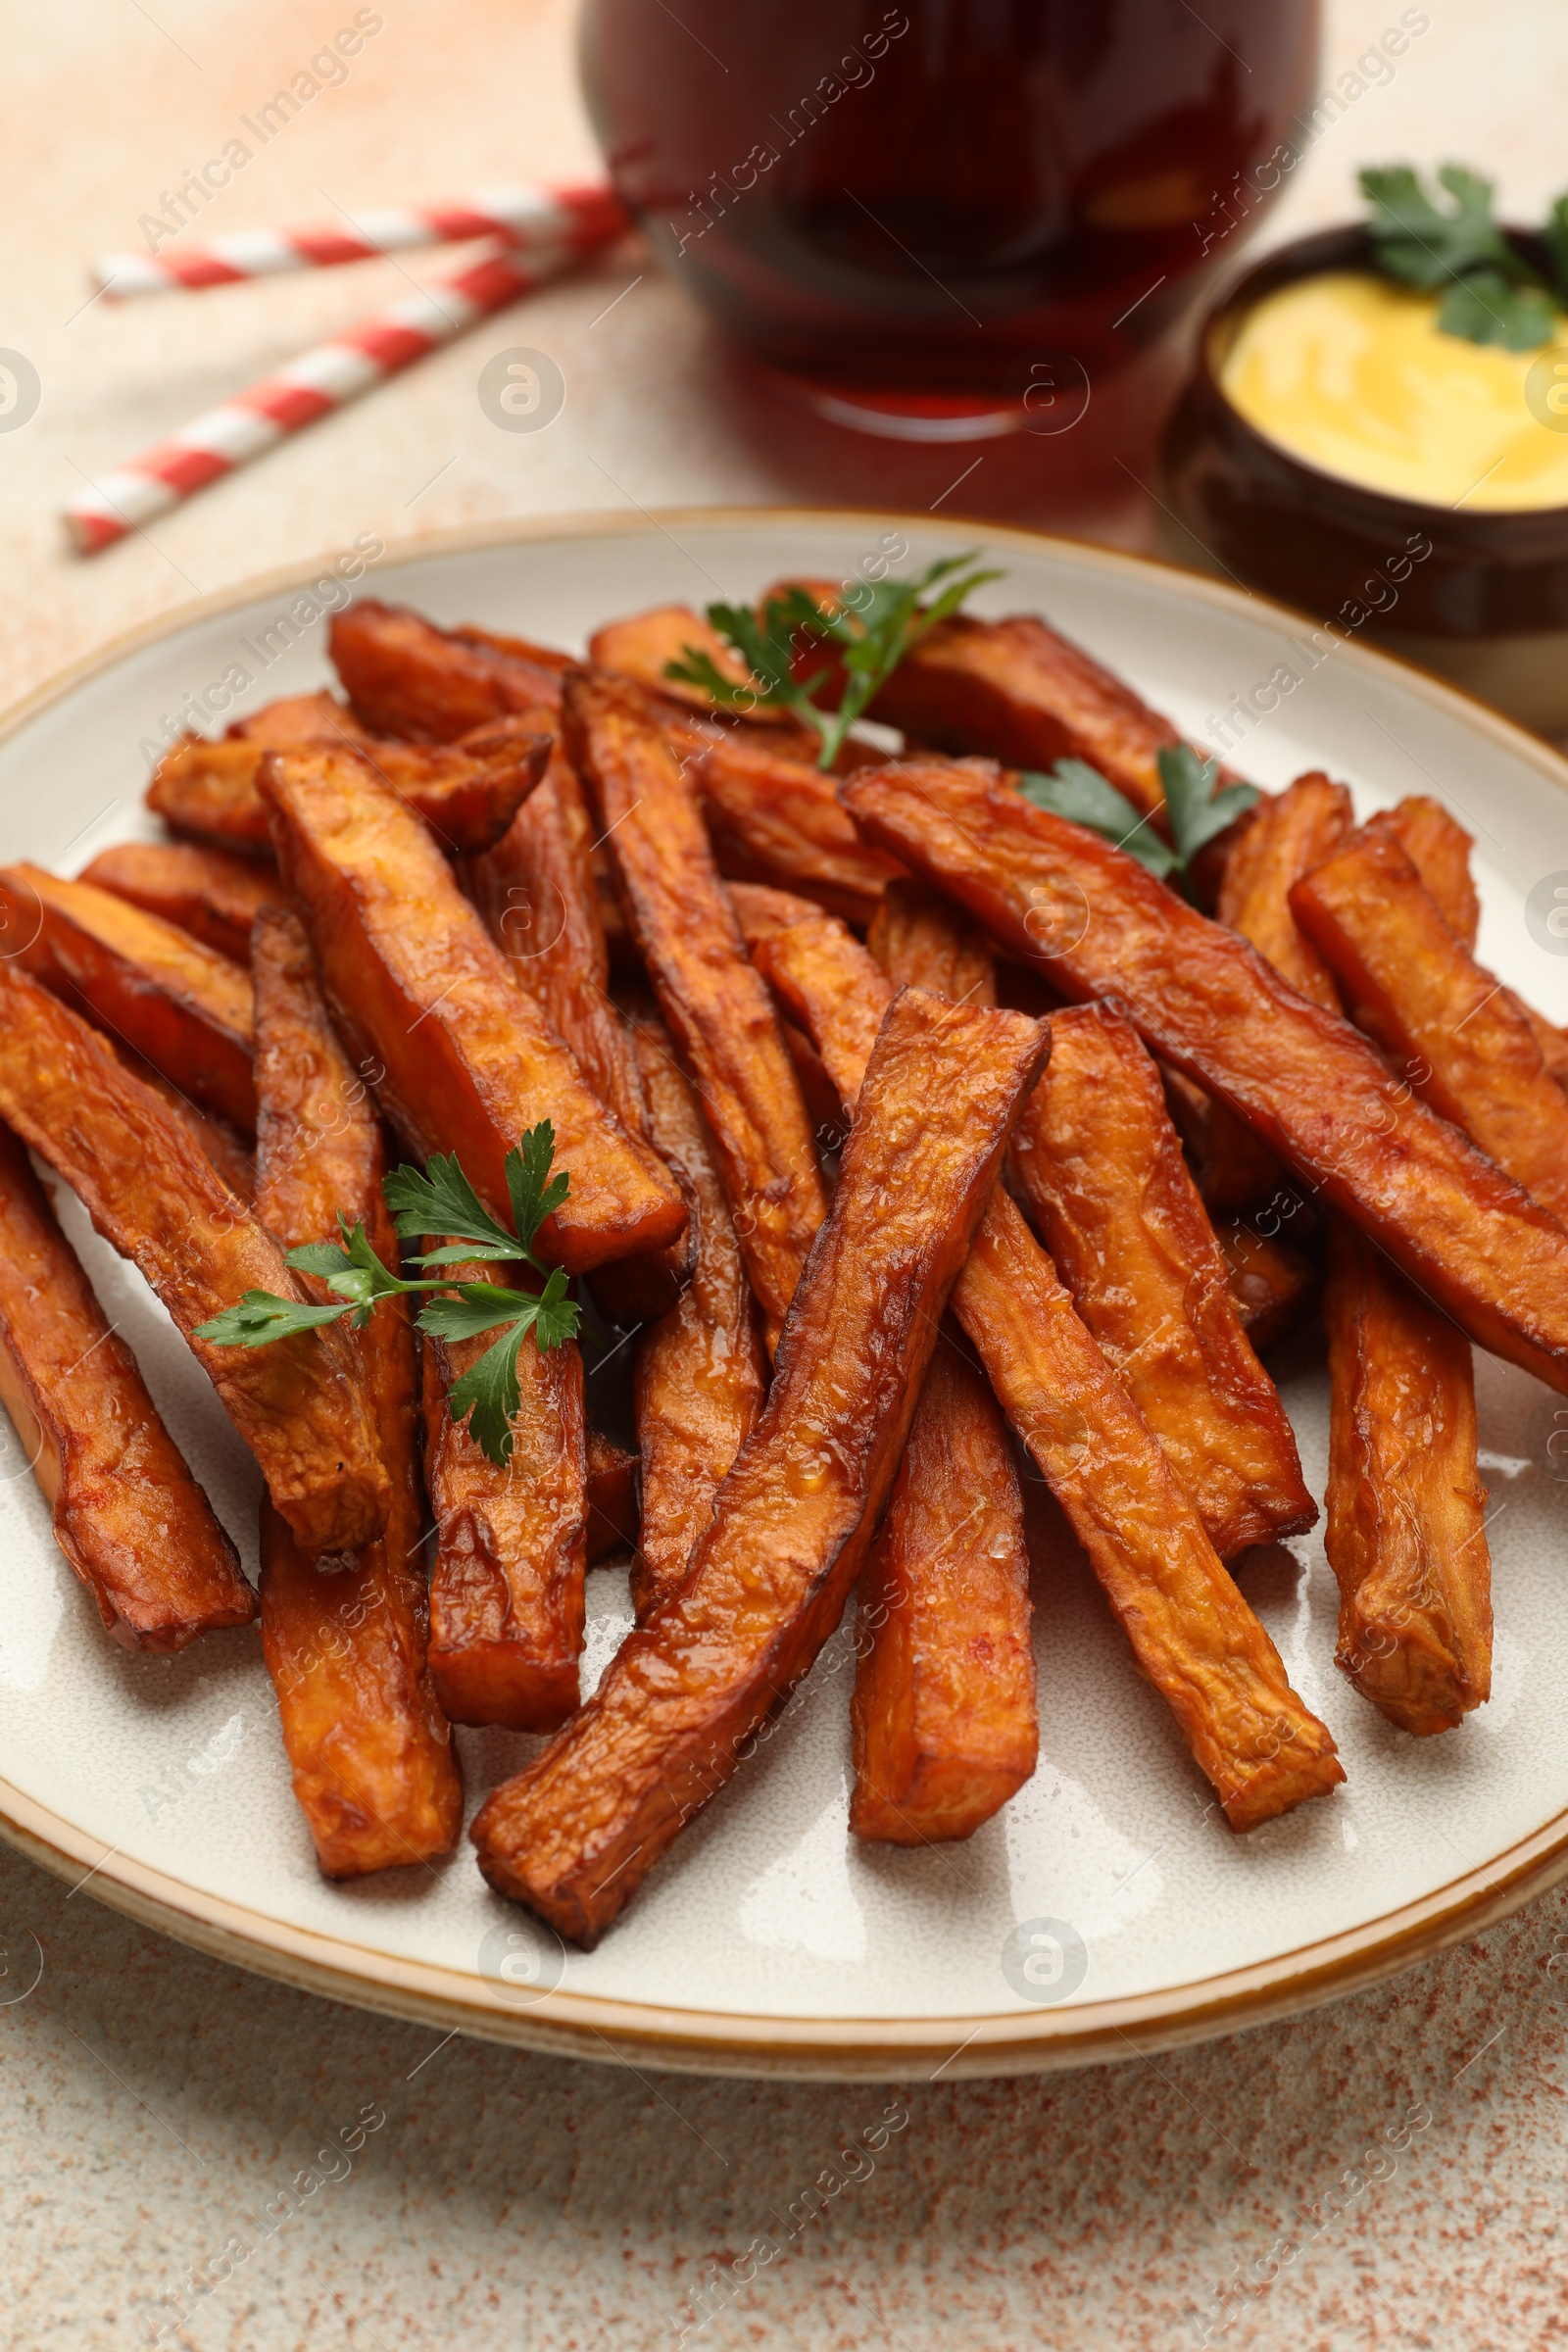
[903,1120]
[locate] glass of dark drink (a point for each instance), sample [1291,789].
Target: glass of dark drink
[949,216]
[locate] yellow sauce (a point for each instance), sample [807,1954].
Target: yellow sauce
[1351,374]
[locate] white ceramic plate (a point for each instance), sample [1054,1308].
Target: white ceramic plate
[768,1940]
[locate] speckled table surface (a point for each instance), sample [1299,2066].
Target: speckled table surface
[1387,2171]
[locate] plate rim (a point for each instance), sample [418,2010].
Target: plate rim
[608,2028]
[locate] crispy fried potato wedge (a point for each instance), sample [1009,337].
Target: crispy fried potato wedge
[1203,999]
[1191,1634]
[614,1515]
[466,1062]
[535,890]
[1104,1178]
[576,1831]
[467,793]
[300,1403]
[778,821]
[1270,1282]
[507,1600]
[1406,1532]
[182,1006]
[714,1003]
[700,1372]
[1443,1020]
[212,896]
[406,677]
[943,1725]
[370,1751]
[131,1519]
[1439,848]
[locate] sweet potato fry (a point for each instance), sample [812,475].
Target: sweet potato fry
[182,1006]
[301,722]
[713,1002]
[128,1514]
[1400,1375]
[228,1149]
[1406,1534]
[1017,691]
[1439,848]
[319,1141]
[942,1725]
[370,1751]
[415,980]
[613,1508]
[1441,1018]
[777,820]
[1193,1635]
[507,1603]
[1104,1179]
[467,793]
[641,646]
[575,1832]
[824,976]
[1270,1281]
[700,1372]
[214,897]
[922,940]
[536,892]
[1284,836]
[300,1403]
[1190,1631]
[1203,999]
[406,677]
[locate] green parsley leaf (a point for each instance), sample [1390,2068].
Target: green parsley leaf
[534,1193]
[1075,790]
[1554,236]
[1484,308]
[475,1307]
[556,1318]
[1491,294]
[1198,812]
[262,1317]
[443,1200]
[354,1272]
[879,623]
[488,1394]
[1423,246]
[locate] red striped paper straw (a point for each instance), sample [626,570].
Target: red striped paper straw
[533,218]
[311,386]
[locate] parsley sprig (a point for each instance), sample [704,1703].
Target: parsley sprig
[1196,811]
[440,1201]
[1491,293]
[871,633]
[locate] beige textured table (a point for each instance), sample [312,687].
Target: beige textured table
[148,2098]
